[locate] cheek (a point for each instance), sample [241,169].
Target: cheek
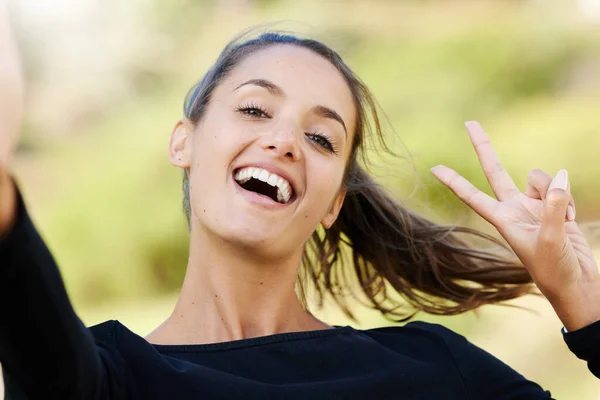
[326,182]
[215,148]
[217,145]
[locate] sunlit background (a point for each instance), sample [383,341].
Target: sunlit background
[106,83]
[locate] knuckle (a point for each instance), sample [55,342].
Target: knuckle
[453,178]
[538,177]
[546,241]
[557,196]
[495,168]
[470,193]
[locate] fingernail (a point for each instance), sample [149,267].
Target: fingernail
[570,213]
[471,123]
[436,168]
[560,181]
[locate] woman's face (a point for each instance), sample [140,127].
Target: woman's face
[267,158]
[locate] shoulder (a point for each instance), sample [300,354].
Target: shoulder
[418,328]
[418,332]
[483,375]
[105,332]
[437,338]
[113,336]
[116,339]
[427,342]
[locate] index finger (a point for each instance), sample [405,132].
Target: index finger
[499,180]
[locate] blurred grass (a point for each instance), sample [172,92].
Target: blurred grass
[106,200]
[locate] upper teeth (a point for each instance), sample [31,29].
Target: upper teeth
[284,189]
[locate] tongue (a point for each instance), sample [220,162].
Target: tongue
[262,188]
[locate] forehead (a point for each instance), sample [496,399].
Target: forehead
[302,74]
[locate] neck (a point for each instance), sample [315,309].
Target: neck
[229,295]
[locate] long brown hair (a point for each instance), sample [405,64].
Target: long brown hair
[377,250]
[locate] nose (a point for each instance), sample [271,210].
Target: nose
[284,142]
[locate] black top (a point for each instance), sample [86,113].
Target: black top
[47,352]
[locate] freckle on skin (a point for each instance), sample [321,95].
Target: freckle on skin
[261,283]
[216,296]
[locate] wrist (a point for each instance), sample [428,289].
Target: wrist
[579,308]
[8,203]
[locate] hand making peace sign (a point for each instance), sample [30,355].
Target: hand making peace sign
[553,250]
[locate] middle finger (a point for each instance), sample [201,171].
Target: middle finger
[499,180]
[538,183]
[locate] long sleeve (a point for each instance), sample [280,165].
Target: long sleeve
[585,344]
[44,347]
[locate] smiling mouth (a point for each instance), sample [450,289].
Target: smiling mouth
[263,182]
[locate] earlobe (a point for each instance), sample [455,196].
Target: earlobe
[334,210]
[180,143]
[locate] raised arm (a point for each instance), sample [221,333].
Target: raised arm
[540,227]
[45,350]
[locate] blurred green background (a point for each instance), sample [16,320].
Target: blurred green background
[106,83]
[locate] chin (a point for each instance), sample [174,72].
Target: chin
[253,235]
[259,232]
[261,241]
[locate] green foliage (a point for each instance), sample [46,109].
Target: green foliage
[115,222]
[109,204]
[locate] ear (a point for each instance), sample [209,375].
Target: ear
[334,210]
[180,143]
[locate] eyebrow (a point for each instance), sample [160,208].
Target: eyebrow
[275,90]
[263,83]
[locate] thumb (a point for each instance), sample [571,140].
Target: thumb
[555,209]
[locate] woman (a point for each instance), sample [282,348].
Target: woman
[269,146]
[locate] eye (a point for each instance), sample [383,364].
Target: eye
[322,141]
[253,110]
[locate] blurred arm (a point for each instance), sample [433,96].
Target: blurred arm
[11,110]
[45,349]
[12,86]
[9,62]
[7,202]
